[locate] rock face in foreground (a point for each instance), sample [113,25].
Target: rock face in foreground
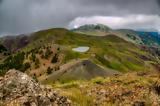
[18,89]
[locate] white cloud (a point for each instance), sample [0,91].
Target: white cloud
[130,21]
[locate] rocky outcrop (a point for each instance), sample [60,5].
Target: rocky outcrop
[17,88]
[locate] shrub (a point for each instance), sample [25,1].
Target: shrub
[49,70]
[98,80]
[25,66]
[57,68]
[33,57]
[14,62]
[2,48]
[41,52]
[156,87]
[2,72]
[80,98]
[58,49]
[54,59]
[37,63]
[42,56]
[47,53]
[35,78]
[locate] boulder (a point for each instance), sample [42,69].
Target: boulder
[17,88]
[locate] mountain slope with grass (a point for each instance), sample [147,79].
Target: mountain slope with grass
[131,89]
[149,38]
[111,71]
[47,50]
[78,70]
[129,35]
[102,30]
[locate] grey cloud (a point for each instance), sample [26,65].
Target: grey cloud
[158,2]
[22,16]
[130,21]
[1,2]
[129,6]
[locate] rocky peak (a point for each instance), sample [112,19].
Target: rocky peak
[92,27]
[20,89]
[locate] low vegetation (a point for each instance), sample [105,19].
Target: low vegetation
[128,89]
[54,59]
[14,62]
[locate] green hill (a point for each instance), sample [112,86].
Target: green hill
[129,35]
[47,50]
[78,70]
[102,30]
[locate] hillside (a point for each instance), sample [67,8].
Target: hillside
[137,37]
[102,30]
[78,70]
[47,50]
[112,70]
[131,89]
[150,38]
[129,35]
[79,53]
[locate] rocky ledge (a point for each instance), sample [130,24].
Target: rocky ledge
[18,89]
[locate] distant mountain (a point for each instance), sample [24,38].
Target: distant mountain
[149,38]
[92,27]
[129,35]
[102,30]
[96,30]
[142,37]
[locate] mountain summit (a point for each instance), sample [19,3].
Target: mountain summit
[87,27]
[93,29]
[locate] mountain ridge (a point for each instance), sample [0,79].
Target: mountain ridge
[134,36]
[46,51]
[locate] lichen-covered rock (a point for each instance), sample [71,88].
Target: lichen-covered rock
[17,88]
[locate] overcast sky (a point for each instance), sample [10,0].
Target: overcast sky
[23,16]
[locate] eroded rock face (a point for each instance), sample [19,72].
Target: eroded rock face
[16,88]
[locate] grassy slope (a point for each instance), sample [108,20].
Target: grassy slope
[129,89]
[122,55]
[102,30]
[109,51]
[78,70]
[93,33]
[128,35]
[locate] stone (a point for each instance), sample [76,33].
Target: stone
[18,88]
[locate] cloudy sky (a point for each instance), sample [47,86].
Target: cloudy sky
[24,16]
